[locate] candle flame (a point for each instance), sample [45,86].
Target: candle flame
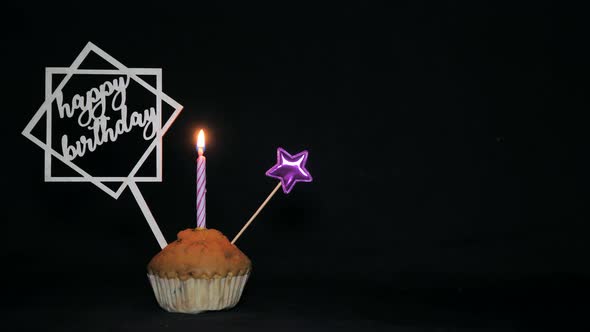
[201,140]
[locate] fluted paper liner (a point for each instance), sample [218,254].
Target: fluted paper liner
[195,295]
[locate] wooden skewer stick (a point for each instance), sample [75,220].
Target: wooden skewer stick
[256,213]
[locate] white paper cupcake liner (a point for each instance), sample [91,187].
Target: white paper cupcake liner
[196,295]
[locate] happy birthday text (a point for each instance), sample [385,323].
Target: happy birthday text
[91,111]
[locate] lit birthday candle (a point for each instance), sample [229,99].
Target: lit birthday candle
[201,182]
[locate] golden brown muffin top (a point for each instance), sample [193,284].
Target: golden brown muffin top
[199,253]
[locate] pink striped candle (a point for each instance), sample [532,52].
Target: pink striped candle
[201,182]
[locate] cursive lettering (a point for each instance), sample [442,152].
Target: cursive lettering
[92,114]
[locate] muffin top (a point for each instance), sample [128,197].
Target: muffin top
[199,253]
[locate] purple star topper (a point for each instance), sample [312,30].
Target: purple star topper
[290,169]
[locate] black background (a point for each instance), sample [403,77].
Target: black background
[447,143]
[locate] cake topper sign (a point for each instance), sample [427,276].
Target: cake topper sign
[102,110]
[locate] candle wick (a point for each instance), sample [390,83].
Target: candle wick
[200,152]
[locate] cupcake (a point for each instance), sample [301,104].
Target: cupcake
[199,271]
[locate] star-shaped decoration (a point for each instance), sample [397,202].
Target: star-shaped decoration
[290,169]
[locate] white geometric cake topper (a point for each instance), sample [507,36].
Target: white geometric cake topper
[91,111]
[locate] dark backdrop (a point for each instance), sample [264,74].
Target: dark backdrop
[447,144]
